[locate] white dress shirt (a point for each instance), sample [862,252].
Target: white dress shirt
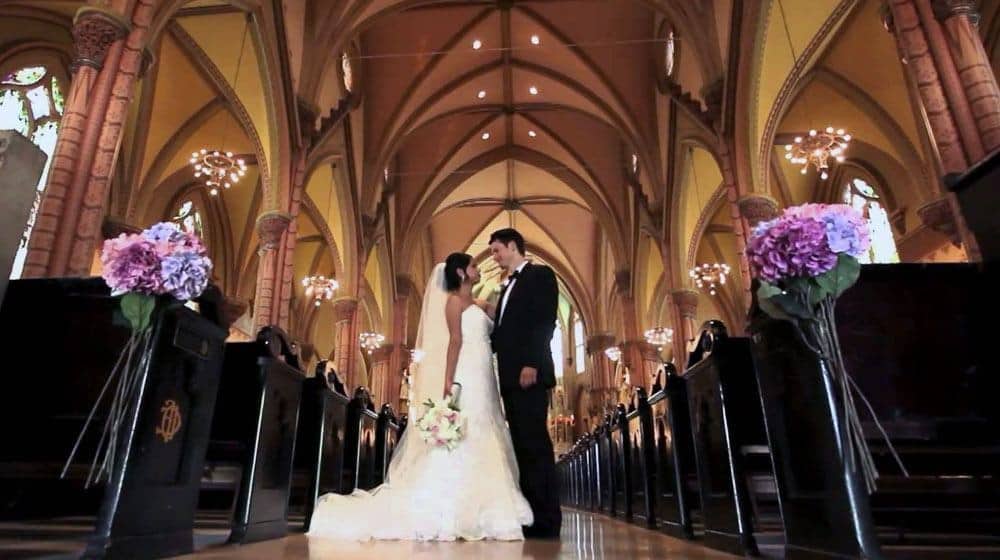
[510,288]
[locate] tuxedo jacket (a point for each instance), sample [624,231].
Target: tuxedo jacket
[523,334]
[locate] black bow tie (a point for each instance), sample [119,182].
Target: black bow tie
[513,275]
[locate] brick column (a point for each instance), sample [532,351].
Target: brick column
[345,317]
[379,376]
[603,385]
[685,304]
[98,37]
[925,47]
[742,230]
[400,357]
[960,19]
[271,227]
[631,351]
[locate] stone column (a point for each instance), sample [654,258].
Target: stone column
[742,230]
[345,317]
[271,227]
[685,304]
[400,321]
[603,385]
[97,33]
[960,20]
[952,125]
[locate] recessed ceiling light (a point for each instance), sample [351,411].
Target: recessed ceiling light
[486,136]
[477,44]
[481,94]
[532,133]
[533,90]
[535,40]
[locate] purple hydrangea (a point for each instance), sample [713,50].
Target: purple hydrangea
[791,247]
[185,274]
[164,231]
[131,263]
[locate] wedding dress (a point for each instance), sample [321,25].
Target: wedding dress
[431,493]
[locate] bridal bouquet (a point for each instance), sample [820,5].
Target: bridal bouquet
[161,263]
[441,424]
[804,260]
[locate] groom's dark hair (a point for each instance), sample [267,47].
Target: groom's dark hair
[507,235]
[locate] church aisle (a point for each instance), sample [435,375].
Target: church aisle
[585,535]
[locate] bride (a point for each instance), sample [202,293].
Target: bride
[431,493]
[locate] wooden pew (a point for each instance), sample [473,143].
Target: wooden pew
[621,465]
[359,443]
[917,339]
[591,471]
[643,459]
[387,434]
[256,419]
[727,425]
[320,443]
[606,467]
[147,511]
[675,474]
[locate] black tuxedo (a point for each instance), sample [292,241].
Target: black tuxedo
[522,337]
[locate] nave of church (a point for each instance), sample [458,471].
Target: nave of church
[772,224]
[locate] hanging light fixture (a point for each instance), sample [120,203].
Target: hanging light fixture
[371,341]
[819,146]
[709,276]
[320,288]
[221,169]
[817,149]
[706,276]
[613,353]
[659,337]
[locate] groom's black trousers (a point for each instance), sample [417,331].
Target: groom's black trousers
[527,411]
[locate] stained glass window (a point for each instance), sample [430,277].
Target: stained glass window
[668,54]
[345,65]
[556,345]
[189,219]
[32,103]
[865,198]
[579,345]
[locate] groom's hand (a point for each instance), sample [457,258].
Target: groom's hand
[529,376]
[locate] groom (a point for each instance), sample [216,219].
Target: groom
[525,319]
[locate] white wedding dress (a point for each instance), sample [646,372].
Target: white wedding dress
[469,493]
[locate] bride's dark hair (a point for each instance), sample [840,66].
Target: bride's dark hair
[454,263]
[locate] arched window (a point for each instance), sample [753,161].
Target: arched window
[556,345]
[345,66]
[189,219]
[669,52]
[579,345]
[863,197]
[32,103]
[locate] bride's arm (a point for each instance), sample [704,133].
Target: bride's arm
[453,316]
[489,308]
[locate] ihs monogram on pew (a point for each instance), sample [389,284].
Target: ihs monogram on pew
[170,420]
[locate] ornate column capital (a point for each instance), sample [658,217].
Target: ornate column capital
[686,301]
[599,342]
[404,286]
[270,226]
[344,309]
[938,216]
[382,354]
[944,9]
[94,31]
[758,208]
[114,226]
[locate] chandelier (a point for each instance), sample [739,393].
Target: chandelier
[817,148]
[709,276]
[613,353]
[320,288]
[660,337]
[371,341]
[220,169]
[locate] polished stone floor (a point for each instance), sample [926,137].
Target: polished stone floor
[585,536]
